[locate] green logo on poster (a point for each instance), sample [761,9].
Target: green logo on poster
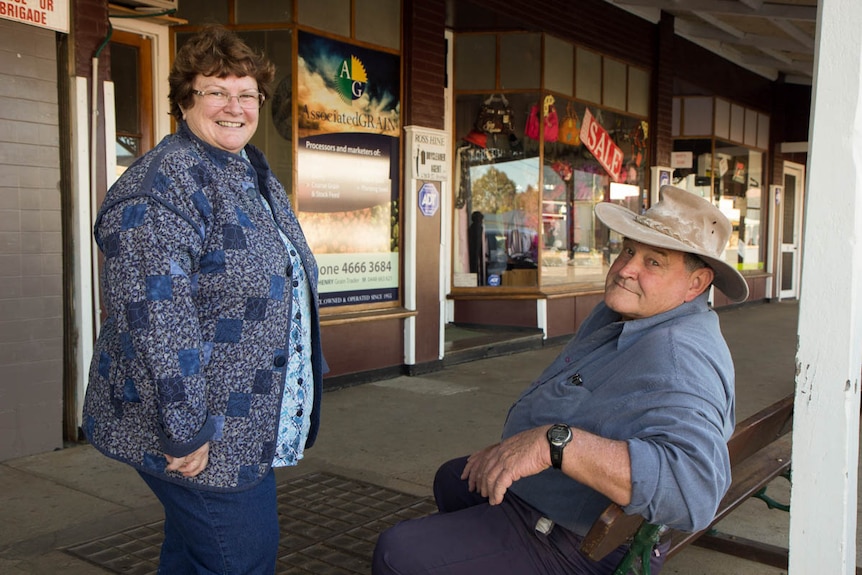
[351,80]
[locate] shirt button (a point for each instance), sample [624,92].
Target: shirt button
[280,361]
[299,381]
[295,284]
[299,412]
[298,349]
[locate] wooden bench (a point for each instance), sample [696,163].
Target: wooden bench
[759,452]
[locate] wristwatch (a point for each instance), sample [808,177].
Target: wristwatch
[559,436]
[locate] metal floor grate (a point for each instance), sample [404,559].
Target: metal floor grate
[329,525]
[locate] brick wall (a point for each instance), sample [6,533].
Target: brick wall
[424,63]
[31,287]
[90,24]
[591,23]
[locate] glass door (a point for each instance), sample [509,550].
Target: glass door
[790,231]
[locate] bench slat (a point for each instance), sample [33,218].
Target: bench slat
[761,429]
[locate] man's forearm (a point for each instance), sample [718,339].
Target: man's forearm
[600,463]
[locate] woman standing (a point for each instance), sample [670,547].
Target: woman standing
[208,369]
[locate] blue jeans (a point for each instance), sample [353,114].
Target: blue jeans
[209,533]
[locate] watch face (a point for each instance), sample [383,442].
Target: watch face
[559,434]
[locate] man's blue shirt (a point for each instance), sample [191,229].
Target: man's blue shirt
[663,384]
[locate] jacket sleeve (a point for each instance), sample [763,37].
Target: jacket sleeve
[152,253]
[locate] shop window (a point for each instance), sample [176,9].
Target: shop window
[526,185]
[275,129]
[348,158]
[638,91]
[331,131]
[520,220]
[203,11]
[327,15]
[697,117]
[476,62]
[559,63]
[496,220]
[588,75]
[722,118]
[520,61]
[254,11]
[576,247]
[614,82]
[379,22]
[737,122]
[731,177]
[725,164]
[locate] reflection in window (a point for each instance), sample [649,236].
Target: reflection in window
[516,218]
[576,247]
[731,177]
[128,150]
[497,204]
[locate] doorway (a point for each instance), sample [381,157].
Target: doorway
[789,227]
[132,73]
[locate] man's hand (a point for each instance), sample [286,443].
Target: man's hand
[192,464]
[492,470]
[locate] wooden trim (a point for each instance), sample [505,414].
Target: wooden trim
[362,317]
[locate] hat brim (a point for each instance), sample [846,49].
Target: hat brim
[622,220]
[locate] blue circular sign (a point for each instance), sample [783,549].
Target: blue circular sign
[429,199]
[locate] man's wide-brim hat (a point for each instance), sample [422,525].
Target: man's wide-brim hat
[683,222]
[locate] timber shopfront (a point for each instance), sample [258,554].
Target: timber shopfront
[548,123]
[720,154]
[529,117]
[545,130]
[332,132]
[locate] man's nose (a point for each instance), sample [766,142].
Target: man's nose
[629,268]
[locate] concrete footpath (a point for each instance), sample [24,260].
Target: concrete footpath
[76,512]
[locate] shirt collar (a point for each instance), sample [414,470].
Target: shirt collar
[635,327]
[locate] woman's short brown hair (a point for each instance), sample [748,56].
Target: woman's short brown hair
[219,52]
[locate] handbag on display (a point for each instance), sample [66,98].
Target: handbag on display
[552,127]
[570,128]
[495,116]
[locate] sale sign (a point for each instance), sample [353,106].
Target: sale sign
[599,143]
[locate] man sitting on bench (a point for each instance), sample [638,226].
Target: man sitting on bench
[636,410]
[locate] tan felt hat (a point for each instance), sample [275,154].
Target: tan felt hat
[684,222]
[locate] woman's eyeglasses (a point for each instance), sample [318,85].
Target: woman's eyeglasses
[219,99]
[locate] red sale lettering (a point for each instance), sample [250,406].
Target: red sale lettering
[599,143]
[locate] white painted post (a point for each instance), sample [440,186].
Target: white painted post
[829,357]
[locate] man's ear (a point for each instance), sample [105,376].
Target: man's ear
[698,282]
